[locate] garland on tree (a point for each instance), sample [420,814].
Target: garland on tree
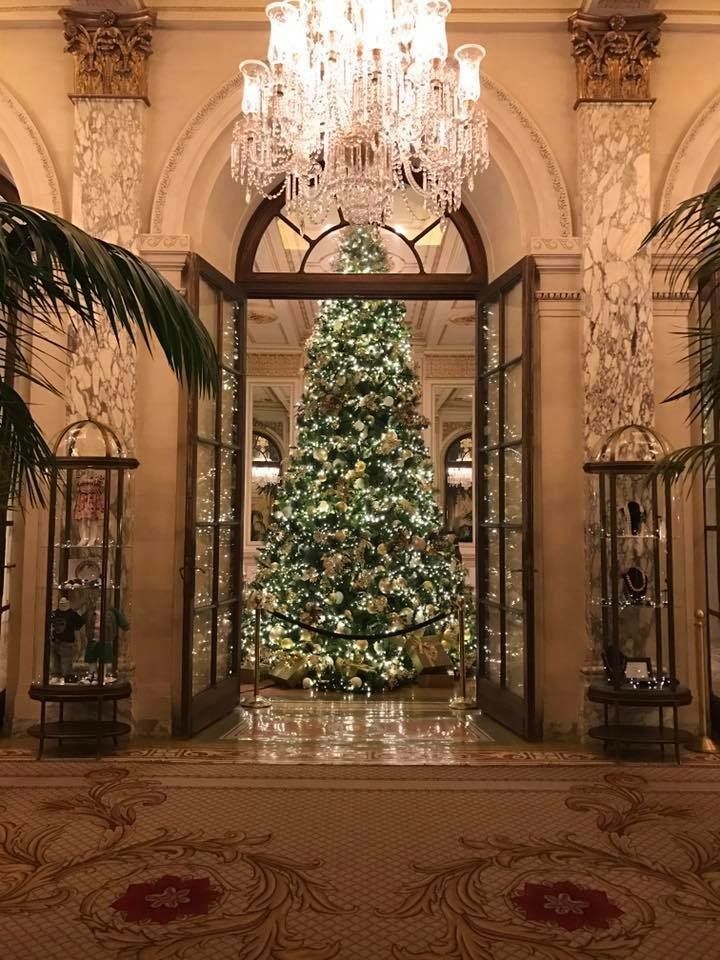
[355,545]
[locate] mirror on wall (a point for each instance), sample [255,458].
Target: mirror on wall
[452,429]
[270,435]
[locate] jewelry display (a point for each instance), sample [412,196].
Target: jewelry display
[635,585]
[632,572]
[636,515]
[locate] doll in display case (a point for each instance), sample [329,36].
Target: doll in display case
[66,635]
[88,507]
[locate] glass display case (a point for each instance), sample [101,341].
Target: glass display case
[85,623]
[632,535]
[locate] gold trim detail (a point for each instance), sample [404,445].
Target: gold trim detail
[110,51]
[613,56]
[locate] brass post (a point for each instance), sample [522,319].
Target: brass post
[461,702]
[257,701]
[702,743]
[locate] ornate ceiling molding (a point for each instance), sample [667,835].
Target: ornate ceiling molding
[110,51]
[613,56]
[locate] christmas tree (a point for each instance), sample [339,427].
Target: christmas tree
[356,546]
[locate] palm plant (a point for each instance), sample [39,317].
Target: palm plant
[54,276]
[691,234]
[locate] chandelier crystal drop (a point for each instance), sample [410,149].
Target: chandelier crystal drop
[358,100]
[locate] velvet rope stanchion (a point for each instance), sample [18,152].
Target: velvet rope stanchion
[256,702]
[703,742]
[461,702]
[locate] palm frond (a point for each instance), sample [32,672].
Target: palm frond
[691,235]
[688,462]
[24,454]
[52,274]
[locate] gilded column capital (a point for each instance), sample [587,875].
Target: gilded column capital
[110,51]
[613,56]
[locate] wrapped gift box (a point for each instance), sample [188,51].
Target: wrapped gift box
[289,674]
[429,657]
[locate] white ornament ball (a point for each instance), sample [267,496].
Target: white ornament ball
[308,683]
[337,597]
[388,402]
[355,682]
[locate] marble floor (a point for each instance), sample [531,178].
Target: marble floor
[413,725]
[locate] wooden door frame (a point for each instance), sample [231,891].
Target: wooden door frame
[518,713]
[196,711]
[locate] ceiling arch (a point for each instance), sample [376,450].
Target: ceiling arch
[26,156]
[195,194]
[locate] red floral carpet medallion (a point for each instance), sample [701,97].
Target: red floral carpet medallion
[166,899]
[208,863]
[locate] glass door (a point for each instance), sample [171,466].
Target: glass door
[212,570]
[504,499]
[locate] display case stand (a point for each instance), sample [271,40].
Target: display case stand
[96,729]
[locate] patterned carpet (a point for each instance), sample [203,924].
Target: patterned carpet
[156,859]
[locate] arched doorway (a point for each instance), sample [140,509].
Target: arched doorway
[280,261]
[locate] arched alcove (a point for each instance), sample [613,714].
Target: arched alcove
[26,157]
[695,164]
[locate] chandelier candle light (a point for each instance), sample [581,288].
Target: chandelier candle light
[358,100]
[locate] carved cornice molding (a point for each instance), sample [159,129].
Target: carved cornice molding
[165,252]
[449,367]
[261,319]
[559,295]
[676,296]
[557,255]
[274,364]
[110,51]
[613,56]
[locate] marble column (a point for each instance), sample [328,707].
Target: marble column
[613,57]
[110,53]
[110,97]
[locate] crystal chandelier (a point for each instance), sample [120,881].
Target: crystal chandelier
[358,100]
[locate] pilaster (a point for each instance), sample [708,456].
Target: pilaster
[558,459]
[110,52]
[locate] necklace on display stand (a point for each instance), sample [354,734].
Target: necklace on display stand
[636,515]
[635,584]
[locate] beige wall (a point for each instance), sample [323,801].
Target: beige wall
[187,67]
